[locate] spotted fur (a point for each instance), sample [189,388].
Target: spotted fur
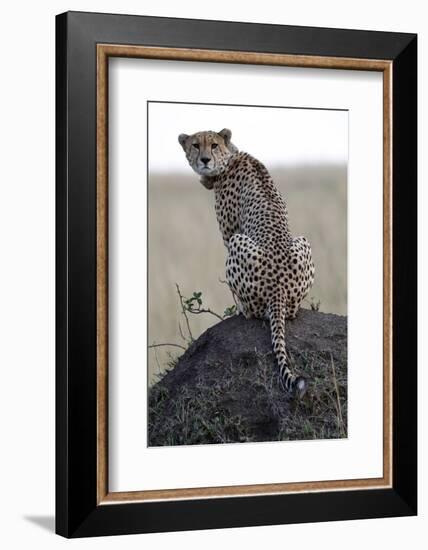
[268,270]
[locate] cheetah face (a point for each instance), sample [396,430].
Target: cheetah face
[208,152]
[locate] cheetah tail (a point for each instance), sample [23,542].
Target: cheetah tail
[289,381]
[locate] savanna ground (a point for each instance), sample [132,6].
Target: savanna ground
[225,387]
[185,248]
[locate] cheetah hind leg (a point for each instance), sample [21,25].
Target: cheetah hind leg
[242,263]
[296,385]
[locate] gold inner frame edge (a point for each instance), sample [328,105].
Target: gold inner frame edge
[104,51]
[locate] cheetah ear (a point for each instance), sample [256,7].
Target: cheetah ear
[182,138]
[226,134]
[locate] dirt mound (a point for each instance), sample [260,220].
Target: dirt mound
[225,387]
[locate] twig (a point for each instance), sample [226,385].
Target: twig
[234,298]
[231,291]
[174,345]
[223,282]
[197,311]
[181,332]
[184,313]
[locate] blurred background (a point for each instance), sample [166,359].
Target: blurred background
[305,151]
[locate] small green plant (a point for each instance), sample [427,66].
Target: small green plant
[195,299]
[229,311]
[314,304]
[193,305]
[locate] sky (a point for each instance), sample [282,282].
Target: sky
[274,135]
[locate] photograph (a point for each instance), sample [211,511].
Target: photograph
[247,273]
[212,300]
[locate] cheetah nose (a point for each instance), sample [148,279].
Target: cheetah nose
[205,160]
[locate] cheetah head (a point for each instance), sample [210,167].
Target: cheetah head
[208,152]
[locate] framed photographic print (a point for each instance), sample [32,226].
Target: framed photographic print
[236,274]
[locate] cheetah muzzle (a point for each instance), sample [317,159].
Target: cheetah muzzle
[267,269]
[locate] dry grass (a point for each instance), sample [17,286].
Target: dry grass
[204,412]
[185,247]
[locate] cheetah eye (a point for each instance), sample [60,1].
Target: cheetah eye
[196,146]
[214,146]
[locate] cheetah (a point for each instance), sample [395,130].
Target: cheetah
[267,269]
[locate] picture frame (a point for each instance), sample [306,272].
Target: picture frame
[84,44]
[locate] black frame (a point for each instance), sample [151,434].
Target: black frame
[77,513]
